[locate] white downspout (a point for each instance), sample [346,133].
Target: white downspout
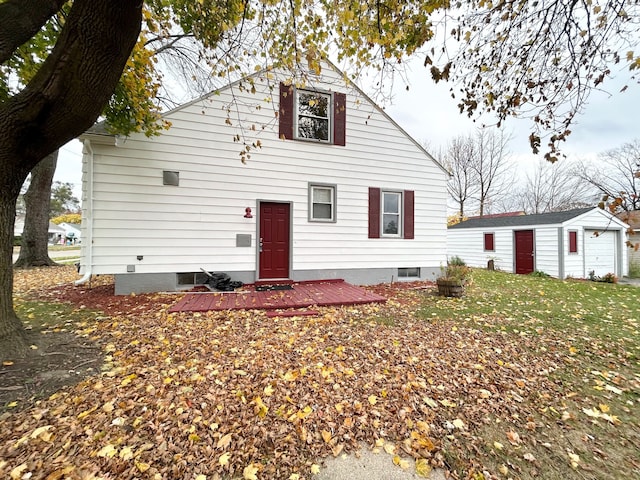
[87,217]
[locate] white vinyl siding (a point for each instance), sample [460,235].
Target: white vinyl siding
[194,225]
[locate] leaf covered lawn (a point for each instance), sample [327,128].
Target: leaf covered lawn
[482,387]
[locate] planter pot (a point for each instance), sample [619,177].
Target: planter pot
[450,288]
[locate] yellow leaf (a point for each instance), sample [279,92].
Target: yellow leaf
[404,464]
[143,467]
[268,390]
[294,476]
[315,469]
[16,473]
[459,424]
[390,448]
[108,451]
[503,469]
[423,468]
[224,459]
[7,363]
[12,404]
[126,453]
[326,436]
[224,441]
[249,472]
[498,445]
[201,477]
[38,432]
[604,408]
[373,399]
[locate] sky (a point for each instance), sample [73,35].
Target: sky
[429,114]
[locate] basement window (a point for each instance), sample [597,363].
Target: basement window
[411,272]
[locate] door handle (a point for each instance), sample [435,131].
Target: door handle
[260,246]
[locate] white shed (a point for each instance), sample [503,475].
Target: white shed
[562,244]
[331,188]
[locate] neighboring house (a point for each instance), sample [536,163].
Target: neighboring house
[633,220]
[337,190]
[562,244]
[53,235]
[72,232]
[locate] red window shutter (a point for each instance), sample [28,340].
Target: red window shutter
[339,118]
[285,117]
[408,214]
[488,242]
[573,242]
[374,212]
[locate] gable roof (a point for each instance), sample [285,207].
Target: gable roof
[100,129]
[522,220]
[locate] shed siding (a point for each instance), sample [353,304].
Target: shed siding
[546,250]
[468,244]
[193,225]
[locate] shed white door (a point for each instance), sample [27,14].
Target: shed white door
[600,252]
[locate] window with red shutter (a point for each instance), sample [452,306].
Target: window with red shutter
[312,115]
[391,213]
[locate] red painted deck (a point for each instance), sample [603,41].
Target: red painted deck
[304,294]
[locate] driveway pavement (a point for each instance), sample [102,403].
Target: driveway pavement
[369,465]
[53,254]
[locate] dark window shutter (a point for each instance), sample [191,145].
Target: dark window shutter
[573,242]
[285,117]
[339,118]
[408,214]
[488,242]
[374,212]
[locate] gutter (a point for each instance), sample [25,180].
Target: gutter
[87,243]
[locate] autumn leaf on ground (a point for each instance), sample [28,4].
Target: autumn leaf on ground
[250,471]
[423,468]
[513,438]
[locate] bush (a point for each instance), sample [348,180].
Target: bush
[17,241]
[457,261]
[539,274]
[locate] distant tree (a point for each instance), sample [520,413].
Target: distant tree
[34,244]
[490,166]
[458,159]
[63,200]
[73,218]
[553,187]
[616,176]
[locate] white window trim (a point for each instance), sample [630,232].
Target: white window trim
[330,119]
[334,197]
[400,214]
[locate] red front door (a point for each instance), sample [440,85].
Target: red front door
[274,240]
[524,251]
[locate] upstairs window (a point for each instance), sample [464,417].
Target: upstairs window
[313,119]
[312,115]
[489,242]
[322,203]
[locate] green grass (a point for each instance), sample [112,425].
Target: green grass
[522,303]
[593,332]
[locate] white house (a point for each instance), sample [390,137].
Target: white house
[72,232]
[332,188]
[562,244]
[54,232]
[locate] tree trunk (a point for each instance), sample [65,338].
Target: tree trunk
[12,334]
[62,100]
[34,251]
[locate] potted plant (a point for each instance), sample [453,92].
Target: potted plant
[455,276]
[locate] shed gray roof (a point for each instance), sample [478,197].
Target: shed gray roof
[521,220]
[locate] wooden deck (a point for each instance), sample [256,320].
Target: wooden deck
[303,294]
